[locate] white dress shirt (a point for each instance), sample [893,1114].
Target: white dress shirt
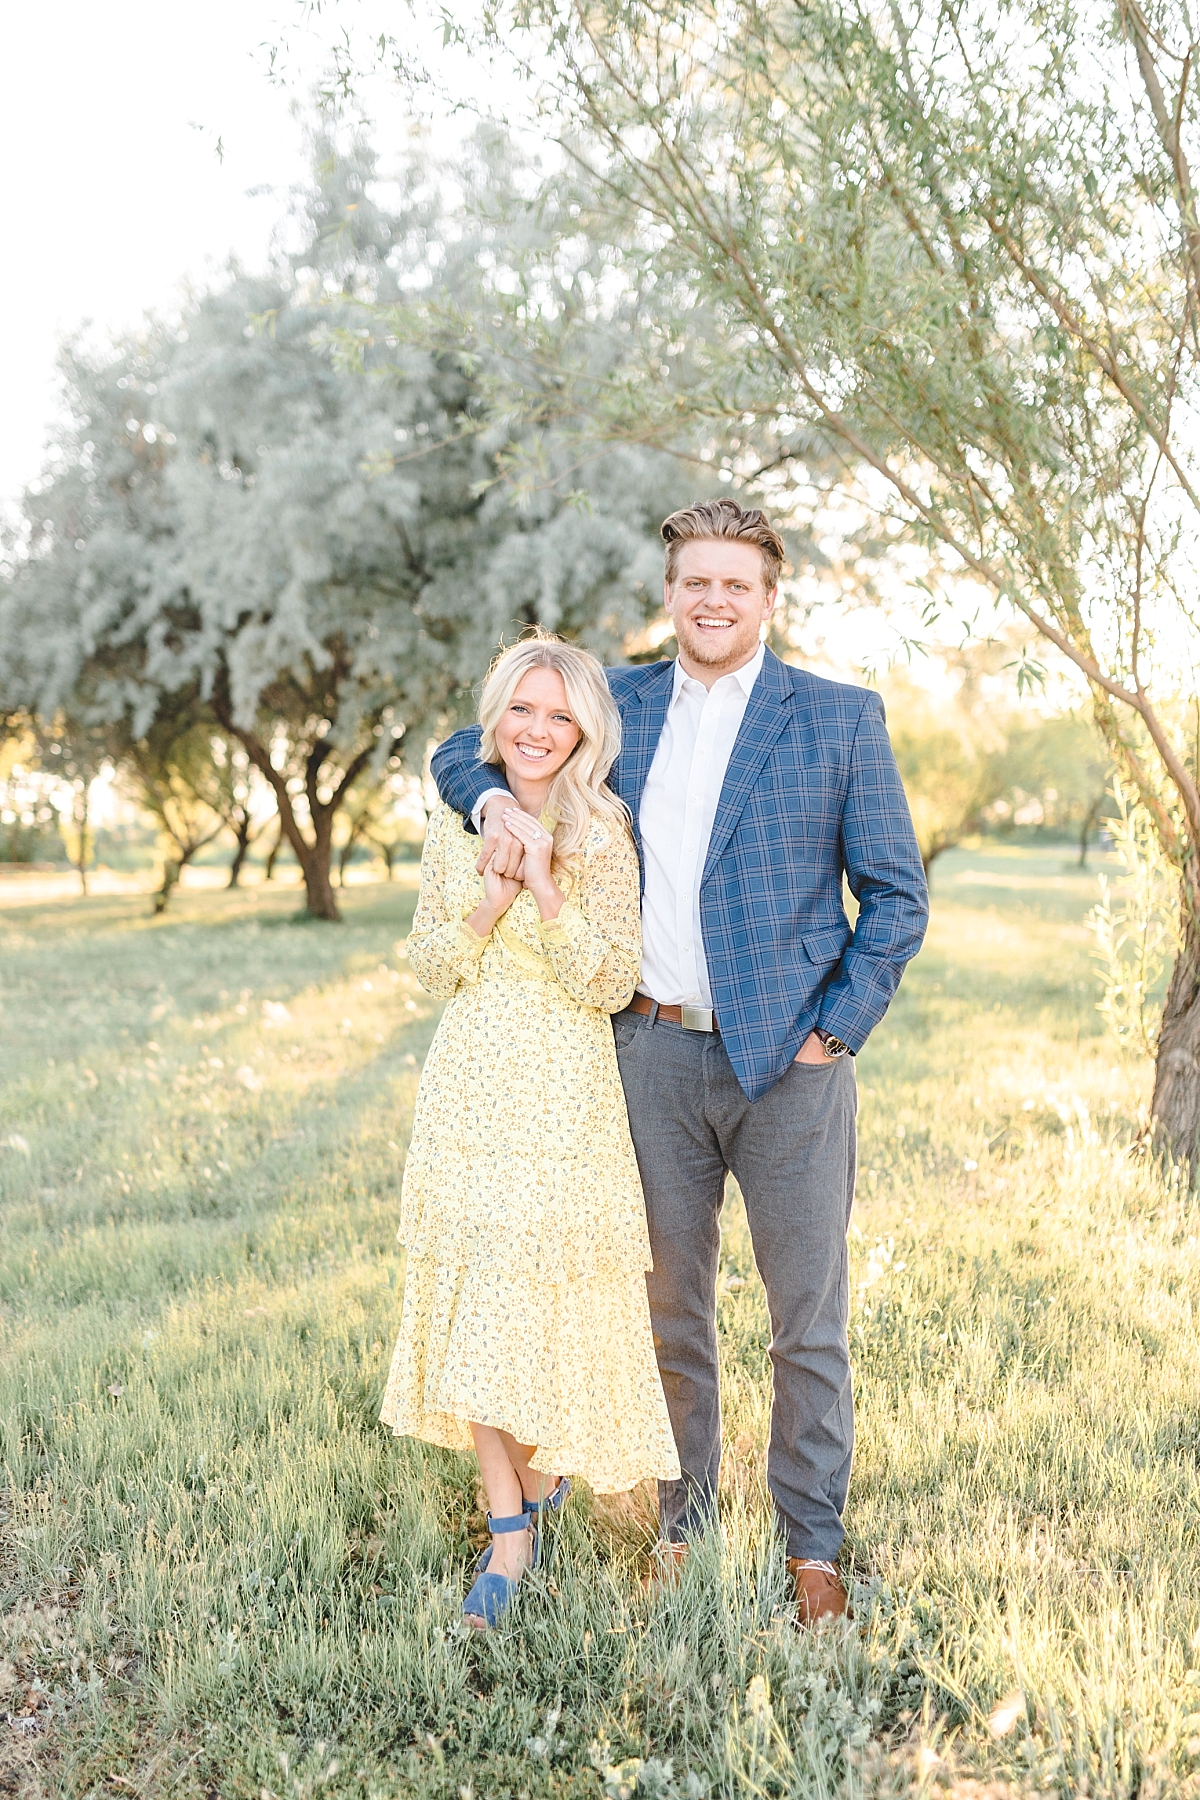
[676,817]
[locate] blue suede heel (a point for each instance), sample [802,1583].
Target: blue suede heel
[532,1509]
[491,1594]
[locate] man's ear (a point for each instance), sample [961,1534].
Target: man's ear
[769,602]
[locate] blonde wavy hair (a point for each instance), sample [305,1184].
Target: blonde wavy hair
[580,790]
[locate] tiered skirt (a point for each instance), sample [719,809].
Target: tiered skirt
[524,1224]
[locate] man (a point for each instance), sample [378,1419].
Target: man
[755,788]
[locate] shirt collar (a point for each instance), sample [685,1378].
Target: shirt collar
[745,677]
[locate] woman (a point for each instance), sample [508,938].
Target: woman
[526,1330]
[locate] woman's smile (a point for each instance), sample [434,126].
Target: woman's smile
[536,736]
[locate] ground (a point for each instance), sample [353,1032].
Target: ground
[220,1577]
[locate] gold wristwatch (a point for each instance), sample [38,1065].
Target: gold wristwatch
[830,1045]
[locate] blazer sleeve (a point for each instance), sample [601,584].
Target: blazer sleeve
[443,952]
[462,780]
[595,943]
[884,872]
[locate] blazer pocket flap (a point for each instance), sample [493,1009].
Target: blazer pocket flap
[825,946]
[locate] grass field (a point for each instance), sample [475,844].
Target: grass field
[221,1578]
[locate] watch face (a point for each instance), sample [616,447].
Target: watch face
[835,1047]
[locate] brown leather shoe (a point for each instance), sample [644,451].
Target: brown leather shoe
[819,1590]
[666,1566]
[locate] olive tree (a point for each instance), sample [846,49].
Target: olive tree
[169,768]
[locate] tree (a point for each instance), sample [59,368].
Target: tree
[28,819]
[74,751]
[949,754]
[377,815]
[236,791]
[1059,766]
[959,246]
[320,554]
[171,766]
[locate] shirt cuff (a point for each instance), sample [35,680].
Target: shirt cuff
[554,931]
[471,940]
[477,809]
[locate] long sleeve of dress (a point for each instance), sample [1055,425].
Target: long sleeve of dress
[595,944]
[462,780]
[443,951]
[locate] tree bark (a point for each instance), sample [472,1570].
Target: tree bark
[315,858]
[172,870]
[273,854]
[173,866]
[1176,1104]
[241,832]
[316,861]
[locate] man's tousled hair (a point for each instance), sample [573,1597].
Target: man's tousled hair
[723,518]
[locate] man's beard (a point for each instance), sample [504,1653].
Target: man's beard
[702,649]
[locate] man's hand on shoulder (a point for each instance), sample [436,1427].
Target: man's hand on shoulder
[501,849]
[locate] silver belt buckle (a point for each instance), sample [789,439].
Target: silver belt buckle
[696,1018]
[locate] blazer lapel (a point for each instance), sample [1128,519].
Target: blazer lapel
[642,720]
[767,712]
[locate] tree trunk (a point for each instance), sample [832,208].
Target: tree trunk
[1176,1103]
[320,901]
[315,858]
[1093,813]
[172,870]
[81,820]
[357,836]
[273,853]
[241,832]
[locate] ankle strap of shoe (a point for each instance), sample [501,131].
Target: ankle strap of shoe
[549,1502]
[515,1522]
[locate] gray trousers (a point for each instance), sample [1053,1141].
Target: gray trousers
[792,1154]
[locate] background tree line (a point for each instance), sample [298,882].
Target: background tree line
[277,543]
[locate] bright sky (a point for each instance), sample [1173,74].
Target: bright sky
[109,131]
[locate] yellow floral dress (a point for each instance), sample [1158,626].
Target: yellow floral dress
[522,1211]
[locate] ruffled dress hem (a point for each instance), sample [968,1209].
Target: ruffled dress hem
[588,1395]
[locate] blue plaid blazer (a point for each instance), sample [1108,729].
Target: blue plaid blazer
[812,793]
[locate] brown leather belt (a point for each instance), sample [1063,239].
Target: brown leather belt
[674,1015]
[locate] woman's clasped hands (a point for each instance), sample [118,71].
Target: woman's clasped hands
[500,891]
[539,852]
